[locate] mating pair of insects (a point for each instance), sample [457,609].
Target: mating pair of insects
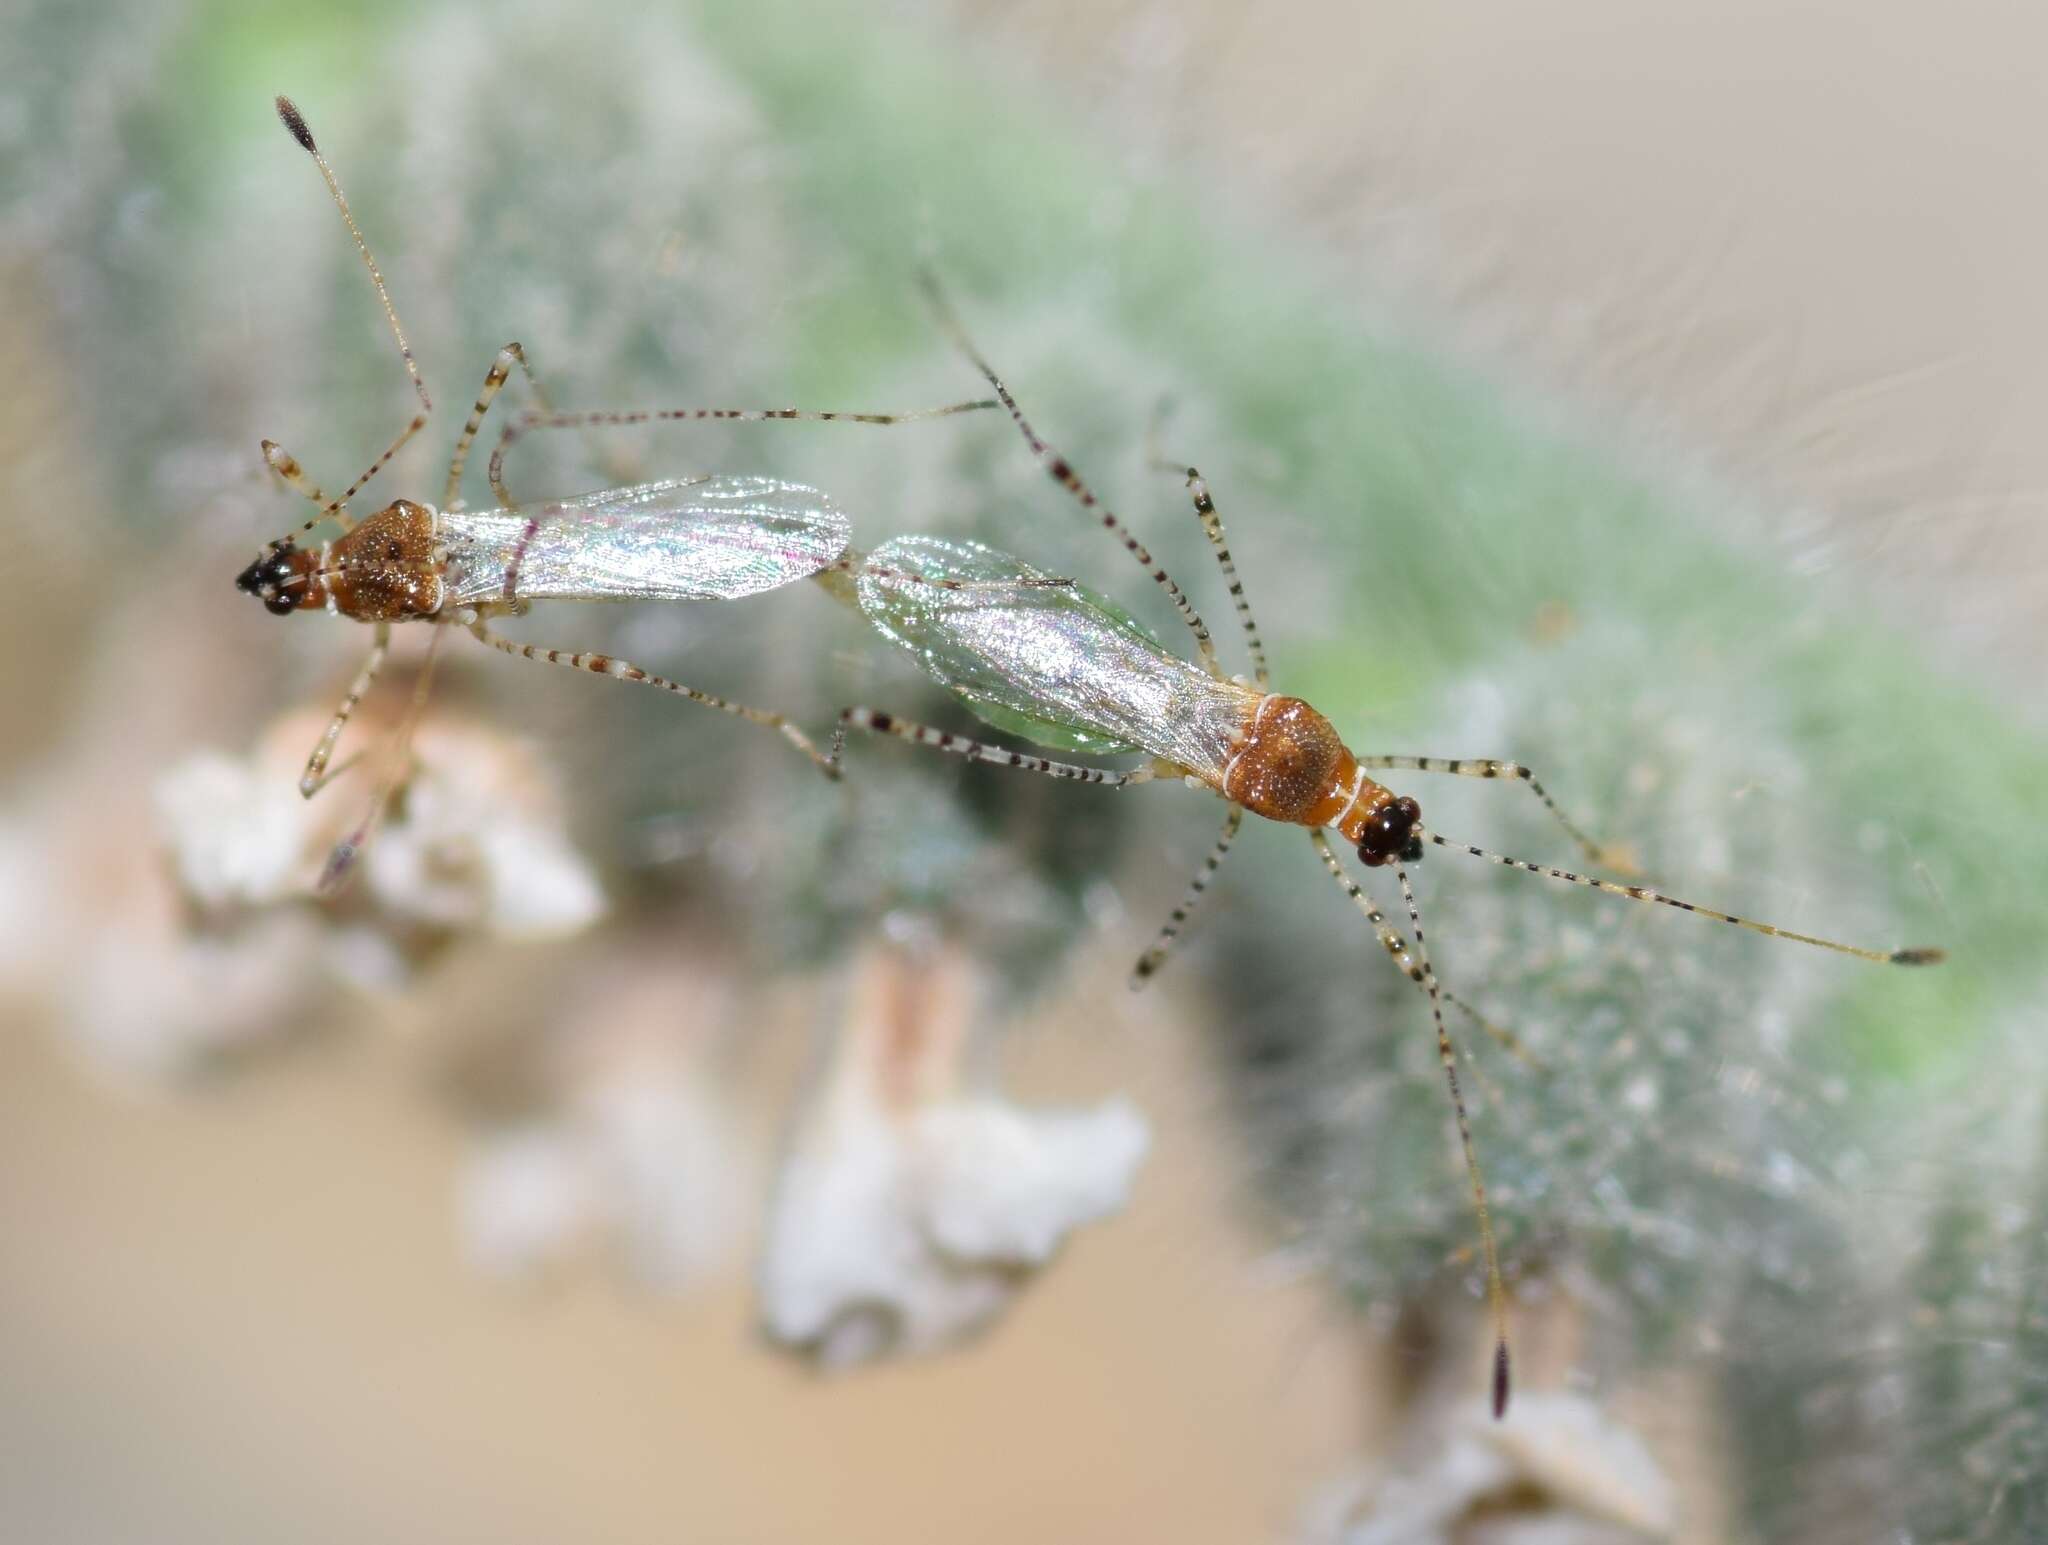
[1037,656]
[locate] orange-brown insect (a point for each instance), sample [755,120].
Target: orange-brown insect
[705,538]
[1069,669]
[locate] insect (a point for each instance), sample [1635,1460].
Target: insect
[704,538]
[1068,669]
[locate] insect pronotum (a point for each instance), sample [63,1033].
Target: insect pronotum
[704,538]
[1069,669]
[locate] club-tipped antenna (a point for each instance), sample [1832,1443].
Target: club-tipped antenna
[297,124]
[293,120]
[1926,955]
[1496,1293]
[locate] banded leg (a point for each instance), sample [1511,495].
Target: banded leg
[494,379]
[1061,471]
[1925,955]
[1466,767]
[317,772]
[340,865]
[1162,946]
[622,670]
[1417,968]
[1397,951]
[1212,528]
[333,508]
[609,419]
[977,751]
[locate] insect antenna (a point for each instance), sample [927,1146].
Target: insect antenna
[289,115]
[339,869]
[1514,772]
[545,417]
[1918,956]
[1496,1294]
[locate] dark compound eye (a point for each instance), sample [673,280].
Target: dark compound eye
[271,579]
[252,577]
[1389,833]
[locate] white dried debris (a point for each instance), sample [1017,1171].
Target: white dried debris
[1555,1471]
[911,1209]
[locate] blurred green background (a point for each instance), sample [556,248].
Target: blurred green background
[1649,399]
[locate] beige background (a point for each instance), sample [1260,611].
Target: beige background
[1802,241]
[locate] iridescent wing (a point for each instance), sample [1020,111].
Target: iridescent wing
[1062,666]
[700,539]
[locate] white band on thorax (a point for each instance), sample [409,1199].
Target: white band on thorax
[1357,788]
[1230,767]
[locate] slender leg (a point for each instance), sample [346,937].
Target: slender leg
[1465,767]
[1212,528]
[340,865]
[317,772]
[610,419]
[1397,950]
[621,670]
[1061,471]
[974,750]
[1918,956]
[1417,969]
[1162,946]
[296,124]
[494,378]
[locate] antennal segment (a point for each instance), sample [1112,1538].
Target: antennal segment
[292,120]
[1927,955]
[297,124]
[1496,1295]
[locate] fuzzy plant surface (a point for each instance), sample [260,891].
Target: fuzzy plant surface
[1914,1408]
[725,205]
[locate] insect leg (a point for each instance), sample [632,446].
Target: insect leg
[1466,767]
[622,670]
[340,866]
[317,772]
[494,378]
[1162,946]
[974,750]
[1212,528]
[1062,472]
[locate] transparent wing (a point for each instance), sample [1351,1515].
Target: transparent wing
[699,539]
[1064,667]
